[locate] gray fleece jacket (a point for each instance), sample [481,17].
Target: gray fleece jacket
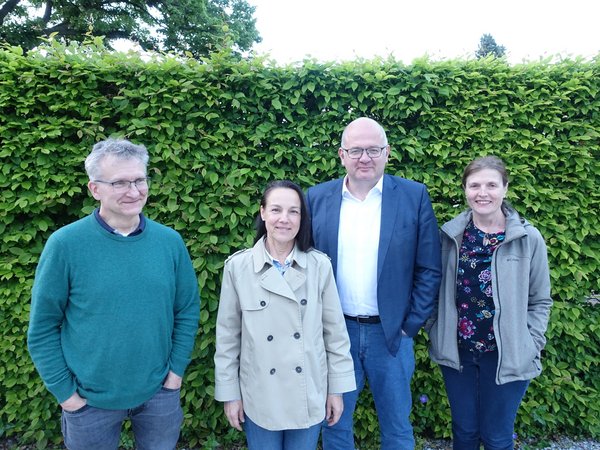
[521,292]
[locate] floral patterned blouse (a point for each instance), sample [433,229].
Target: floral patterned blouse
[474,290]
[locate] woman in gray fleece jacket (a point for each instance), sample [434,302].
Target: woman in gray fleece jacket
[488,330]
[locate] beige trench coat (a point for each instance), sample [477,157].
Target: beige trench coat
[282,343]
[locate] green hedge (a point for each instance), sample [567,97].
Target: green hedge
[218,130]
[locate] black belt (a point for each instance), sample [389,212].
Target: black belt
[363,319]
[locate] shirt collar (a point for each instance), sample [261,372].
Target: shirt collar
[112,230]
[347,194]
[286,264]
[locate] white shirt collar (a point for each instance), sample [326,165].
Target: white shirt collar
[377,188]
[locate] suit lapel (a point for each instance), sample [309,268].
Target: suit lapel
[389,210]
[332,216]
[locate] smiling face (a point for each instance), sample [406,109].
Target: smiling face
[282,214]
[485,191]
[117,208]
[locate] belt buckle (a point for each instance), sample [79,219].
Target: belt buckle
[362,318]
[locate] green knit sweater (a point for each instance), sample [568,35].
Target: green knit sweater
[111,315]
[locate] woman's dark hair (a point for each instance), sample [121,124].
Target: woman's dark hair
[304,236]
[488,162]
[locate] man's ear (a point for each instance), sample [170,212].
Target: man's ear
[93,188]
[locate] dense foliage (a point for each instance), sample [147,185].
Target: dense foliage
[218,130]
[195,26]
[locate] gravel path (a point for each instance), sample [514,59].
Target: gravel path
[558,444]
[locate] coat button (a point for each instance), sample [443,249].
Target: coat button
[297,335]
[303,301]
[269,338]
[272,371]
[298,369]
[263,303]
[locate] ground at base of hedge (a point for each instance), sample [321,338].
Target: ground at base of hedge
[559,443]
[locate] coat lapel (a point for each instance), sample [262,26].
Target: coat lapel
[294,278]
[272,280]
[390,203]
[334,204]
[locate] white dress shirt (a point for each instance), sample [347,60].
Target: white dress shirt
[358,245]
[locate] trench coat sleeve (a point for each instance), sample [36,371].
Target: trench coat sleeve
[539,302]
[229,331]
[340,368]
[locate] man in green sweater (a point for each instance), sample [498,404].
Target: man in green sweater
[114,312]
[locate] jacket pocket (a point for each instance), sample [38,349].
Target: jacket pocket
[527,365]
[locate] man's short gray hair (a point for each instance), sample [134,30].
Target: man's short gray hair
[119,148]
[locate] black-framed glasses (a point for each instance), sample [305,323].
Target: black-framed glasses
[141,184]
[357,152]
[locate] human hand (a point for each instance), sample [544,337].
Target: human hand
[73,403]
[173,381]
[234,411]
[334,408]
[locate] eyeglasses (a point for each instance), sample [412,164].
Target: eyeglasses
[141,184]
[357,152]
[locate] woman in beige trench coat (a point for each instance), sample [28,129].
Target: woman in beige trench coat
[282,358]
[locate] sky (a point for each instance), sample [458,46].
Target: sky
[343,30]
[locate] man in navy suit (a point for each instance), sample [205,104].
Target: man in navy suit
[382,237]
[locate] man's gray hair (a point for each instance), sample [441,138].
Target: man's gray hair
[119,148]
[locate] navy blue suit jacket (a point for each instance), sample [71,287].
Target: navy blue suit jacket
[409,262]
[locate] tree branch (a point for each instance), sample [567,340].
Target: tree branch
[118,34]
[48,11]
[62,29]
[7,8]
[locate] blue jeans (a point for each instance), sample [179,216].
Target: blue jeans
[481,409]
[155,424]
[261,439]
[389,381]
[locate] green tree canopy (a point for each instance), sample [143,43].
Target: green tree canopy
[195,26]
[488,46]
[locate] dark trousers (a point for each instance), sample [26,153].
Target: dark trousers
[482,411]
